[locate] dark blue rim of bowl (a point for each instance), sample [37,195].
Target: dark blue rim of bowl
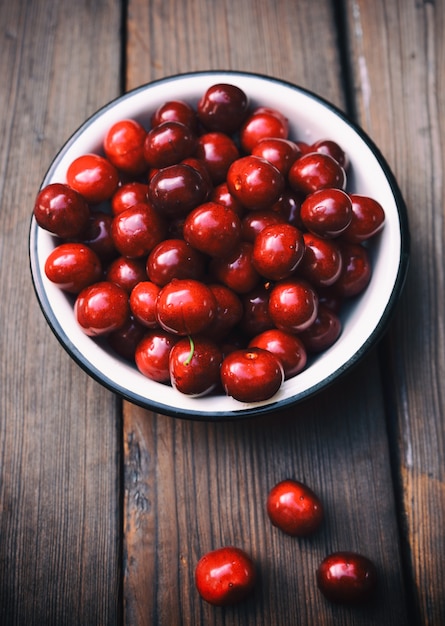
[249,412]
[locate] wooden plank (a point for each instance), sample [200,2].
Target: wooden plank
[399,73]
[190,487]
[59,458]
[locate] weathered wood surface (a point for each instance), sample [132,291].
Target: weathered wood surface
[83,542]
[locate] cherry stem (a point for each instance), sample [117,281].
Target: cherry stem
[192,350]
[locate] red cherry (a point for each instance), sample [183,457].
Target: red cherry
[98,237]
[315,171]
[213,229]
[327,146]
[101,308]
[168,144]
[194,366]
[185,307]
[223,108]
[236,270]
[347,577]
[288,348]
[126,273]
[124,146]
[256,318]
[229,311]
[261,125]
[255,221]
[294,508]
[128,195]
[277,251]
[280,152]
[322,261]
[293,305]
[175,111]
[61,211]
[222,195]
[256,183]
[368,219]
[93,176]
[73,266]
[217,151]
[225,576]
[137,230]
[251,375]
[152,355]
[324,331]
[174,191]
[124,340]
[356,270]
[143,299]
[174,258]
[327,212]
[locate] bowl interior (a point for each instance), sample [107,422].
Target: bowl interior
[311,118]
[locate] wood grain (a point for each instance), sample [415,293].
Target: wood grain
[59,431]
[399,69]
[191,487]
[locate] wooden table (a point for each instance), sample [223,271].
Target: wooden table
[105,507]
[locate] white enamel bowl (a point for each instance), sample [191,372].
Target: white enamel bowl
[311,118]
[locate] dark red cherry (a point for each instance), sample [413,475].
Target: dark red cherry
[222,195]
[347,577]
[126,272]
[293,305]
[101,308]
[229,311]
[251,374]
[294,508]
[61,211]
[262,124]
[213,229]
[128,195]
[137,230]
[322,261]
[324,331]
[236,270]
[73,266]
[356,270]
[223,108]
[174,191]
[124,340]
[142,301]
[256,317]
[124,146]
[333,149]
[168,144]
[175,111]
[288,348]
[185,307]
[194,366]
[174,258]
[327,212]
[314,171]
[277,251]
[217,151]
[152,355]
[368,219]
[255,182]
[255,221]
[280,152]
[98,236]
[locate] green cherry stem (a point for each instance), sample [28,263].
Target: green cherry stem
[192,350]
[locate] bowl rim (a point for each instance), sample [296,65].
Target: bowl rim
[249,410]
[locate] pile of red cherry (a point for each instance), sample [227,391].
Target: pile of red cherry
[210,249]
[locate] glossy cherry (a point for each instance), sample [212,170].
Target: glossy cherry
[124,146]
[97,235]
[368,219]
[255,182]
[287,347]
[223,108]
[194,365]
[168,143]
[225,576]
[126,272]
[255,221]
[327,212]
[251,374]
[175,111]
[322,261]
[101,308]
[174,258]
[152,355]
[229,311]
[185,307]
[93,176]
[137,230]
[356,270]
[236,270]
[217,151]
[280,152]
[174,191]
[347,577]
[294,508]
[125,339]
[128,195]
[73,266]
[61,210]
[222,195]
[212,229]
[333,149]
[263,124]
[293,305]
[314,171]
[324,331]
[277,251]
[142,301]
